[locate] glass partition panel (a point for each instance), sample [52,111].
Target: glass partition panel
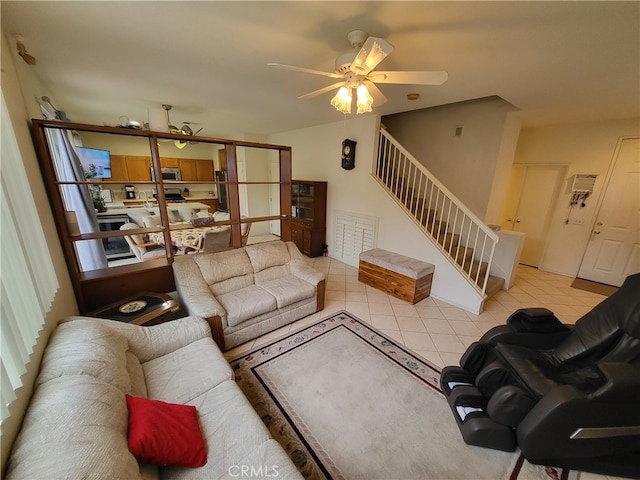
[258,232]
[258,165]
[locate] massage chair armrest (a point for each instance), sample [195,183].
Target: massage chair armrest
[567,423]
[535,320]
[529,327]
[622,383]
[505,334]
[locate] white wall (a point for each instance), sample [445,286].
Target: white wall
[471,165]
[316,155]
[587,148]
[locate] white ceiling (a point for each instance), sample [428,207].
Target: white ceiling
[555,61]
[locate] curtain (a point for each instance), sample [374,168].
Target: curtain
[77,198]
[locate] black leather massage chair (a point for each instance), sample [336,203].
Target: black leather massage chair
[567,396]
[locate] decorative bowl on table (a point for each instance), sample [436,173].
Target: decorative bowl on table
[132,307]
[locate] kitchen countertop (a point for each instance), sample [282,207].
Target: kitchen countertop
[121,209]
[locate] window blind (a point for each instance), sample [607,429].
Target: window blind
[28,282]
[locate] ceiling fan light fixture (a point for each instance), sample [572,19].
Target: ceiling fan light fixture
[364,100]
[180,144]
[342,100]
[370,55]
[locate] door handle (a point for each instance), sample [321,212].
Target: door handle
[596,232]
[517,221]
[599,224]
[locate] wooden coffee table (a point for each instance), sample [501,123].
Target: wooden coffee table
[145,308]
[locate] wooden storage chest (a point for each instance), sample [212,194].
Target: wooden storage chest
[403,277]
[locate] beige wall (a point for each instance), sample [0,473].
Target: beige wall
[471,165]
[316,154]
[14,92]
[586,148]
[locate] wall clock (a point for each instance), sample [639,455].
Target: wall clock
[348,154]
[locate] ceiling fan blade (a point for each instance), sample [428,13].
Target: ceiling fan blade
[320,91]
[413,78]
[370,55]
[378,96]
[305,70]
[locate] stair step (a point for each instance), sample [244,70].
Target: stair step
[473,271]
[449,241]
[463,256]
[428,216]
[437,228]
[494,285]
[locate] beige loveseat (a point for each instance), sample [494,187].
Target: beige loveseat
[249,291]
[76,423]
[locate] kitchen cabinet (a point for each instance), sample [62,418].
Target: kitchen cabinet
[188,169]
[309,216]
[222,160]
[138,168]
[119,168]
[212,203]
[131,168]
[169,162]
[205,171]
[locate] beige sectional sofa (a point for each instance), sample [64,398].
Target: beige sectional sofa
[247,292]
[77,420]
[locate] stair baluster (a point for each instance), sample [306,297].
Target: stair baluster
[462,237]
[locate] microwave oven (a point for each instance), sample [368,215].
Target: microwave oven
[168,173]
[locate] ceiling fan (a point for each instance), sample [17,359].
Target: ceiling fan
[356,71]
[185,129]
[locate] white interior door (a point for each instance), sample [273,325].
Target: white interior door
[613,251]
[532,194]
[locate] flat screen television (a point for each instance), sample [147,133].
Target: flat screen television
[95,163]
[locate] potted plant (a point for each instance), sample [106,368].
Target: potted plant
[98,201]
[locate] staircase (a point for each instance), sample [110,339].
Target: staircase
[461,237]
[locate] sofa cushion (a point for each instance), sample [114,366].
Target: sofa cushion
[219,266]
[288,290]
[75,427]
[246,303]
[232,284]
[136,375]
[87,348]
[267,254]
[231,429]
[271,273]
[165,433]
[167,377]
[269,461]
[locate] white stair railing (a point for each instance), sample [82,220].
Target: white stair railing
[463,238]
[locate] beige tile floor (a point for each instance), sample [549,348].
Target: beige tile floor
[434,329]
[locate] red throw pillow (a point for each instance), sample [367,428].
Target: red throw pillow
[165,433]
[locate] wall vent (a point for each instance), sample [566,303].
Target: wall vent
[354,233]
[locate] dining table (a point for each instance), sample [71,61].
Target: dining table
[184,235]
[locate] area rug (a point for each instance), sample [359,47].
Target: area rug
[347,402]
[593,287]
